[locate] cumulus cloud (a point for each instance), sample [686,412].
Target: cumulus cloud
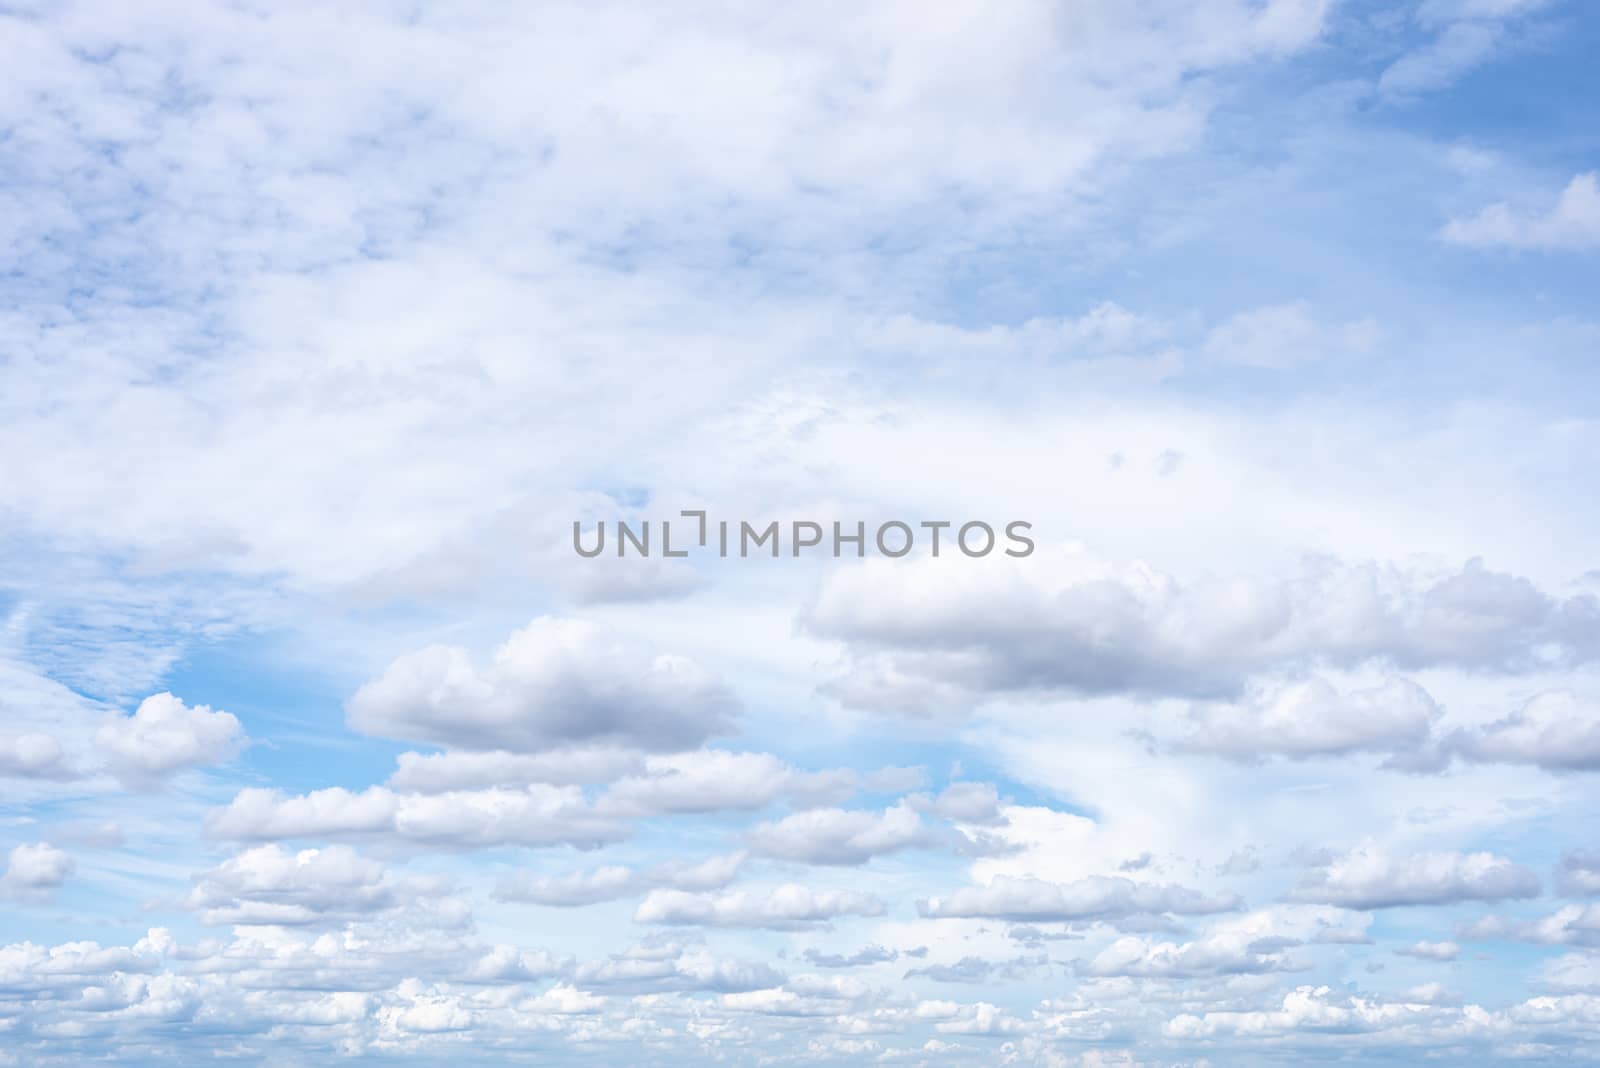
[861,958]
[1094,898]
[1310,718]
[1440,951]
[538,815]
[840,836]
[34,872]
[553,684]
[1578,874]
[713,780]
[963,802]
[787,907]
[164,736]
[1572,224]
[1371,877]
[270,885]
[33,756]
[980,970]
[434,773]
[615,881]
[1557,730]
[1571,925]
[934,635]
[673,964]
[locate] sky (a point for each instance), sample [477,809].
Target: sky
[322,326]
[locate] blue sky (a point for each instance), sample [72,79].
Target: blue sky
[321,327]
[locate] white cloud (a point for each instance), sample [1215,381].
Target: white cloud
[1579,873]
[270,885]
[554,683]
[34,872]
[784,907]
[1310,718]
[1572,224]
[33,756]
[840,836]
[1092,898]
[1557,730]
[164,736]
[538,815]
[1440,951]
[933,635]
[1371,877]
[615,881]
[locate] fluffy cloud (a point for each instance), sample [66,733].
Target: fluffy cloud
[554,683]
[538,815]
[614,881]
[1573,223]
[936,633]
[712,780]
[1311,718]
[33,756]
[1571,925]
[433,773]
[1579,873]
[1371,877]
[164,736]
[34,872]
[1093,898]
[1441,951]
[839,836]
[270,885]
[785,907]
[1557,730]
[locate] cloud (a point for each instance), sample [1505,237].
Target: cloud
[1310,718]
[787,907]
[1578,874]
[436,773]
[1094,898]
[1370,877]
[1282,336]
[553,684]
[538,815]
[164,736]
[979,970]
[1556,730]
[864,957]
[1572,224]
[34,872]
[612,882]
[1440,951]
[1571,925]
[668,964]
[843,837]
[270,885]
[933,635]
[34,756]
[714,780]
[963,802]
